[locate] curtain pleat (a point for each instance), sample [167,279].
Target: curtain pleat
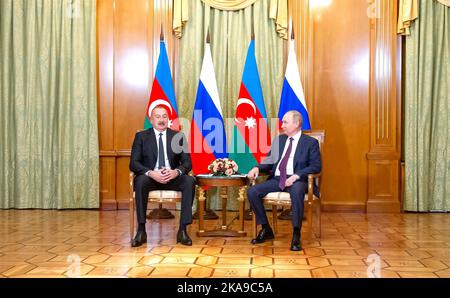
[48,110]
[277,12]
[427,110]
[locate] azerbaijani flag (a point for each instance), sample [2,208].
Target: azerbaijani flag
[292,96]
[251,137]
[162,93]
[207,138]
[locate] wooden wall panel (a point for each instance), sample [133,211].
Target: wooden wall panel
[385,106]
[105,41]
[131,69]
[108,183]
[402,183]
[340,100]
[105,24]
[123,192]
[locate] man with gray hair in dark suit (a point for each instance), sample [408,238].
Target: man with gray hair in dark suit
[300,156]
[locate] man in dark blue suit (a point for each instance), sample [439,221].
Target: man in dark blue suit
[292,157]
[160,160]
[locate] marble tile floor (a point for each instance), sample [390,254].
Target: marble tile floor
[50,243]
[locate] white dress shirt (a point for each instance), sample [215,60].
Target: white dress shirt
[290,163]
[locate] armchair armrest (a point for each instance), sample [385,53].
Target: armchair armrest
[262,174]
[131,178]
[311,178]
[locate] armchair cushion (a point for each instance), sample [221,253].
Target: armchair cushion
[164,194]
[282,196]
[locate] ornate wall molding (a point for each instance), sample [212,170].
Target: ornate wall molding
[385,107]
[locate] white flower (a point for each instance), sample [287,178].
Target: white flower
[223,166]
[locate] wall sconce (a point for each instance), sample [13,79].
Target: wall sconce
[318,4]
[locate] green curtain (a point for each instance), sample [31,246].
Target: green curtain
[230,35]
[427,110]
[48,110]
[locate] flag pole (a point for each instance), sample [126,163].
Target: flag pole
[292,32]
[160,212]
[208,212]
[253,28]
[248,213]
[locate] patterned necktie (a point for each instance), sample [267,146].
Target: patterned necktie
[161,160]
[283,164]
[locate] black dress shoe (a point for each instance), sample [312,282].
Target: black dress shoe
[263,235]
[183,237]
[296,244]
[139,239]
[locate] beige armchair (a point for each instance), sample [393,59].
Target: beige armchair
[155,196]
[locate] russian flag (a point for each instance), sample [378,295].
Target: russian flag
[163,93]
[207,138]
[292,96]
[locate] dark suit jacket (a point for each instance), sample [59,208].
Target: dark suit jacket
[306,159]
[144,153]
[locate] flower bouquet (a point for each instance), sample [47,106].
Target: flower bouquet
[223,167]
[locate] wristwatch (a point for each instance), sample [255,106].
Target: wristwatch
[179,172]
